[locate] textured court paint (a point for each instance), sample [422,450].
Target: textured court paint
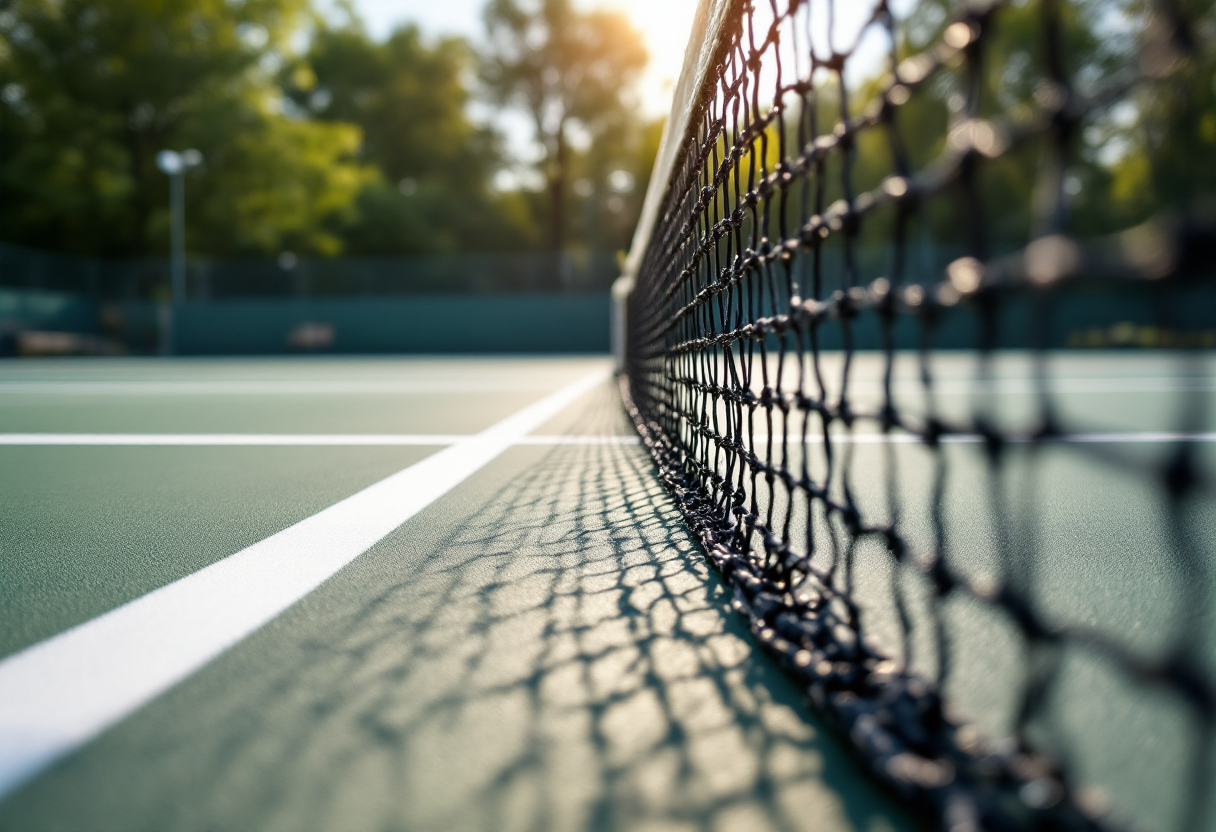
[408,399]
[309,720]
[450,412]
[543,649]
[86,529]
[62,692]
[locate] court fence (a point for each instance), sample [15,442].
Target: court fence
[54,303]
[289,276]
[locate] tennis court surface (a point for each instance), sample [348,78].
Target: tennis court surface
[895,508]
[543,646]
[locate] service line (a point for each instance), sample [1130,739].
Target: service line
[290,439]
[268,387]
[271,440]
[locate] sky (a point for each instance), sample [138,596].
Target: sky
[664,25]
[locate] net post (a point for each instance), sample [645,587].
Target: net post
[709,22]
[622,288]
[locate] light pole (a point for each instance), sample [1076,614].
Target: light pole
[175,165]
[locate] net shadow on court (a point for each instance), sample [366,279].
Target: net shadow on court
[563,658]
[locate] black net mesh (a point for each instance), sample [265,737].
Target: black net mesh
[853,352]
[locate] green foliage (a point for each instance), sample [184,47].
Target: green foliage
[434,164]
[353,146]
[570,71]
[610,178]
[93,89]
[362,146]
[1170,161]
[410,99]
[283,185]
[1103,186]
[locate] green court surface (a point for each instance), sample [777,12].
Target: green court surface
[541,647]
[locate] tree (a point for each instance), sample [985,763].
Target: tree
[410,98]
[1169,161]
[569,70]
[91,90]
[1012,81]
[609,180]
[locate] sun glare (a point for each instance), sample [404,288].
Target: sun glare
[665,25]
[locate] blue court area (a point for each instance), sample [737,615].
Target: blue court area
[451,594]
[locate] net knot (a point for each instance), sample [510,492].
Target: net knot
[1179,473]
[844,305]
[1179,671]
[994,441]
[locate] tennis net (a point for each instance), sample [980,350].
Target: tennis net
[877,235]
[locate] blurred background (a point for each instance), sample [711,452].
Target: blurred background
[263,176]
[361,176]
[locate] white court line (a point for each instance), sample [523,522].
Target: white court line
[479,384]
[440,439]
[576,439]
[228,439]
[287,440]
[1114,438]
[277,388]
[60,693]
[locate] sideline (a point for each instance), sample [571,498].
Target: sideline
[287,439]
[60,693]
[439,439]
[448,384]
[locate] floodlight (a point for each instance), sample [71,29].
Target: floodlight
[170,162]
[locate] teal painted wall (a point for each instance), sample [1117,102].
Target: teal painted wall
[577,323]
[40,309]
[418,324]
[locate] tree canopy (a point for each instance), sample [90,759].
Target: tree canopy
[434,165]
[91,90]
[318,138]
[570,71]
